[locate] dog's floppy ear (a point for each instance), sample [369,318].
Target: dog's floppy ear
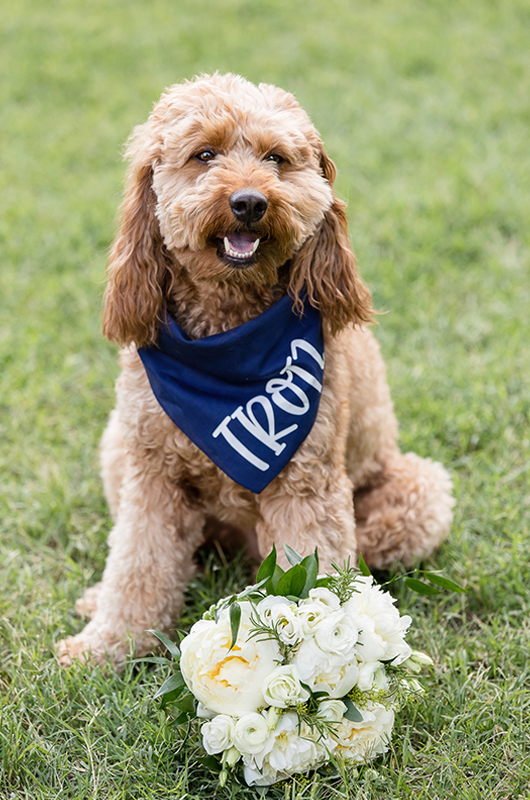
[139,267]
[325,267]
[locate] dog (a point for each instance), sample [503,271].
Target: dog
[229,214]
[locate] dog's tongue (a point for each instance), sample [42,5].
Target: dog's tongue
[242,242]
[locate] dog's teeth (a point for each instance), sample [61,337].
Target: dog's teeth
[235,253]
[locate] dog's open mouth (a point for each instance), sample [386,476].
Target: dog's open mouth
[238,249]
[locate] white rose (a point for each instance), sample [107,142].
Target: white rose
[337,635]
[337,681]
[224,680]
[282,687]
[218,734]
[382,629]
[275,612]
[251,733]
[361,741]
[372,675]
[331,710]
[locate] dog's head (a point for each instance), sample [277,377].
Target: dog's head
[230,182]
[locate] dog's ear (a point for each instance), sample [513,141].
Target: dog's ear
[140,270]
[325,268]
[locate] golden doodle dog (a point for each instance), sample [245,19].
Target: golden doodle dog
[230,217]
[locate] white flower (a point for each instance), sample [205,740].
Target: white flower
[331,710]
[282,687]
[251,733]
[337,635]
[372,675]
[381,628]
[362,741]
[227,680]
[336,681]
[311,616]
[325,672]
[218,734]
[274,611]
[325,597]
[286,752]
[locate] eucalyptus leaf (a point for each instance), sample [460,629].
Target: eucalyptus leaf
[445,583]
[420,587]
[168,644]
[235,621]
[352,712]
[292,556]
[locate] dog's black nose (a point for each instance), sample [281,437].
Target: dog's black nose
[248,205]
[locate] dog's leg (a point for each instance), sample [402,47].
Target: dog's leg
[308,514]
[149,564]
[405,513]
[112,459]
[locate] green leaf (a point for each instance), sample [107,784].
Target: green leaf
[325,581]
[310,563]
[445,583]
[210,762]
[166,641]
[277,574]
[292,582]
[420,587]
[186,703]
[352,712]
[292,556]
[363,569]
[175,681]
[235,621]
[266,569]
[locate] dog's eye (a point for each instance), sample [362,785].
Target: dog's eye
[274,157]
[205,155]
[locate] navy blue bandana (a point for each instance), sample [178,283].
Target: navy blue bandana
[247,397]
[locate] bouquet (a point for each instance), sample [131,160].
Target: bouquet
[297,670]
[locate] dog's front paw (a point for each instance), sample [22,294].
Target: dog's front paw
[87,605]
[91,649]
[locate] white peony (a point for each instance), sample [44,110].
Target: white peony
[336,681]
[224,680]
[282,687]
[218,734]
[251,733]
[362,741]
[381,628]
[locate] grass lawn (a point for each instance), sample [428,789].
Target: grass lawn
[425,107]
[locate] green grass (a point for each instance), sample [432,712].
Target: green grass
[425,107]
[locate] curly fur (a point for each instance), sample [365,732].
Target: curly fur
[163,491]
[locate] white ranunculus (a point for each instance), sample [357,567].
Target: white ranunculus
[325,597]
[372,675]
[382,629]
[218,734]
[227,680]
[337,635]
[311,616]
[331,710]
[251,733]
[282,687]
[274,611]
[288,751]
[362,741]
